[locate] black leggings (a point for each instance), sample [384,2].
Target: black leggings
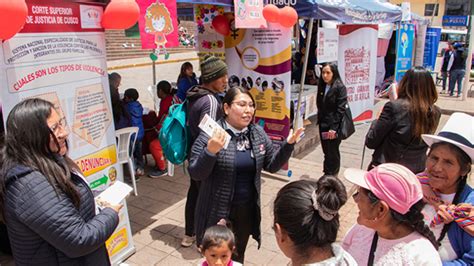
[190,208]
[332,157]
[242,218]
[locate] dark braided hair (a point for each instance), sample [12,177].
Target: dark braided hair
[465,164]
[413,218]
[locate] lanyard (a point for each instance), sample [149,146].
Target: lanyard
[373,247]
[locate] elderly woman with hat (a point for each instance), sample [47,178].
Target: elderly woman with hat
[444,187]
[390,229]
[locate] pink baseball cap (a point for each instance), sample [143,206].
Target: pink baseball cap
[393,183]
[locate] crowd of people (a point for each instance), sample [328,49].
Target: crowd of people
[415,206]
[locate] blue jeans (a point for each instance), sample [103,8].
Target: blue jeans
[456,76]
[138,156]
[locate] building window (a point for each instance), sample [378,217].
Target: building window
[429,9]
[458,7]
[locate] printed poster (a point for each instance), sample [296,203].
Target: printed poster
[433,36]
[328,40]
[357,65]
[158,24]
[208,41]
[420,44]
[260,61]
[405,38]
[248,14]
[60,56]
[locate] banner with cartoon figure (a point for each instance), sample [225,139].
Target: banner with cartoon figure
[357,63]
[59,56]
[260,60]
[208,41]
[248,14]
[405,39]
[158,25]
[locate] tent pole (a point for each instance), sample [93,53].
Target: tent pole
[305,67]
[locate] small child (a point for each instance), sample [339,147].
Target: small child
[166,94]
[135,110]
[217,246]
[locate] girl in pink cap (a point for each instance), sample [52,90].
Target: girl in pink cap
[390,228]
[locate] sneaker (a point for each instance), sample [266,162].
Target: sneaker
[155,173]
[188,241]
[139,172]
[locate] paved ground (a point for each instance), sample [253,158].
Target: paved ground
[157,213]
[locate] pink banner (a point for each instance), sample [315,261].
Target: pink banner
[158,24]
[248,14]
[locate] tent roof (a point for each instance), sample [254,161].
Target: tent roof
[349,11]
[210,2]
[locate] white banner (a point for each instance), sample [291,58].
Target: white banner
[357,67]
[420,44]
[66,65]
[328,40]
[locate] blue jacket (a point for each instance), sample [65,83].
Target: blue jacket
[135,109]
[184,84]
[44,226]
[461,241]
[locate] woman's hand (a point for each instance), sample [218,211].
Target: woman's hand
[217,141]
[444,214]
[295,137]
[332,134]
[105,204]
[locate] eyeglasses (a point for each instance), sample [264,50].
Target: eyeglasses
[56,127]
[243,104]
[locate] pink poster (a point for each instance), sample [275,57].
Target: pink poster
[248,14]
[158,24]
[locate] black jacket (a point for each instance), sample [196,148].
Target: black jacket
[446,56]
[459,62]
[201,101]
[217,173]
[332,107]
[391,135]
[46,229]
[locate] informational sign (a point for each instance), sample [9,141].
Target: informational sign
[433,36]
[59,56]
[420,44]
[208,41]
[357,67]
[260,61]
[455,21]
[328,40]
[158,24]
[248,14]
[404,61]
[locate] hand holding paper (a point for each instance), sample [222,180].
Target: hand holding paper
[214,130]
[113,195]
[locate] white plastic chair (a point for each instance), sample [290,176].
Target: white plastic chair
[124,154]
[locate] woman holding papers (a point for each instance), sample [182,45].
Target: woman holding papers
[47,204]
[230,175]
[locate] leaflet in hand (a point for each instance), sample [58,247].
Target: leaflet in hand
[115,193]
[208,125]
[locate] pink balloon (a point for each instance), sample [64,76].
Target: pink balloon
[271,13]
[288,17]
[221,25]
[120,14]
[12,17]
